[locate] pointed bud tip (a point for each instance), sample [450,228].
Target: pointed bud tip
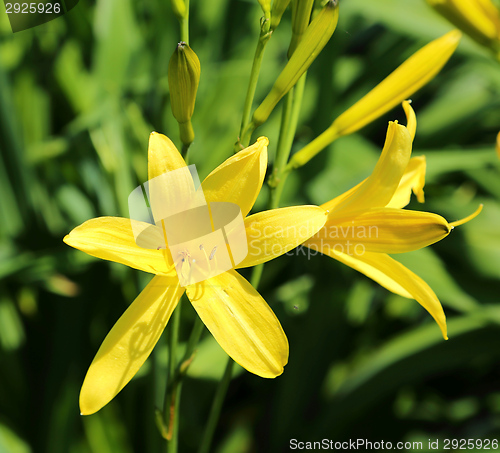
[454,35]
[264,141]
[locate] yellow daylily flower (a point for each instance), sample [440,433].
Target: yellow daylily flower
[233,311]
[480,19]
[367,223]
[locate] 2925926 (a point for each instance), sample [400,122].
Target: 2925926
[33,8]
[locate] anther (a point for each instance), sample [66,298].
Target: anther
[212,253]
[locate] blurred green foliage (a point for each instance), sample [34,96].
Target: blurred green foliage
[78,98]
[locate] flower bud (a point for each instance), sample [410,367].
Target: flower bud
[179,8]
[480,19]
[317,34]
[301,14]
[183,80]
[266,6]
[277,10]
[405,80]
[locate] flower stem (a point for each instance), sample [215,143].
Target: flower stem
[223,385]
[246,129]
[184,152]
[173,390]
[185,24]
[171,402]
[303,156]
[289,121]
[215,411]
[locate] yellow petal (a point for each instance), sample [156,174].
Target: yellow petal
[396,278]
[129,343]
[112,239]
[378,189]
[413,180]
[272,233]
[498,145]
[242,323]
[162,156]
[239,179]
[384,230]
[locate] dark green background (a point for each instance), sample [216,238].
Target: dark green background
[78,98]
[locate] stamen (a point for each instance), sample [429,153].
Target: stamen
[212,253]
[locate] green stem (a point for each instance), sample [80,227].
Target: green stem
[184,152]
[171,402]
[192,343]
[290,119]
[256,275]
[185,25]
[265,35]
[223,385]
[303,156]
[215,411]
[173,390]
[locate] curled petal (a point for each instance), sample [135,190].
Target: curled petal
[413,180]
[242,323]
[378,189]
[411,119]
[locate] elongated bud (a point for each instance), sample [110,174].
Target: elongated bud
[301,14]
[480,19]
[314,39]
[414,73]
[266,6]
[183,80]
[179,8]
[277,9]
